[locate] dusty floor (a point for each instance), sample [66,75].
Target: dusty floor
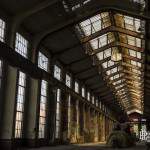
[88,147]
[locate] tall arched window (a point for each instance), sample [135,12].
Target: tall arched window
[2,39]
[2,30]
[57,72]
[88,96]
[83,92]
[21,46]
[58,117]
[43,109]
[68,80]
[43,64]
[76,87]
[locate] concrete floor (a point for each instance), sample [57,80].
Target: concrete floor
[88,147]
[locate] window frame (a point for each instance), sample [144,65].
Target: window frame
[46,97]
[20,135]
[55,73]
[23,48]
[43,66]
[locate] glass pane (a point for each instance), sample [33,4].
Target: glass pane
[43,62]
[57,72]
[2,30]
[21,45]
[43,102]
[20,105]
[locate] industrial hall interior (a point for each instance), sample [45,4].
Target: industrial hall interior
[74,74]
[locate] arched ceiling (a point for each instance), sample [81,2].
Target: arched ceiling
[51,25]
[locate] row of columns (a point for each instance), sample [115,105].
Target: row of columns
[9,99]
[86,124]
[79,122]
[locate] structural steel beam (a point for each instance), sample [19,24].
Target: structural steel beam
[107,98]
[111,67]
[116,44]
[131,66]
[105,94]
[139,87]
[78,61]
[132,73]
[13,58]
[105,90]
[124,87]
[124,56]
[125,7]
[117,79]
[111,29]
[113,74]
[16,60]
[89,77]
[98,88]
[122,83]
[84,70]
[133,87]
[132,58]
[77,45]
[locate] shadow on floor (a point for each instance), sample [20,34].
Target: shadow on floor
[88,147]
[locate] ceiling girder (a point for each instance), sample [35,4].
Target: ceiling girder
[110,29]
[115,44]
[105,6]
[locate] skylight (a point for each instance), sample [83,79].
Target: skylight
[126,74]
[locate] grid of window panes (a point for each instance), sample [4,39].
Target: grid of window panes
[20,105]
[68,80]
[76,87]
[102,40]
[95,23]
[21,45]
[42,115]
[58,119]
[43,62]
[2,36]
[2,30]
[132,58]
[57,72]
